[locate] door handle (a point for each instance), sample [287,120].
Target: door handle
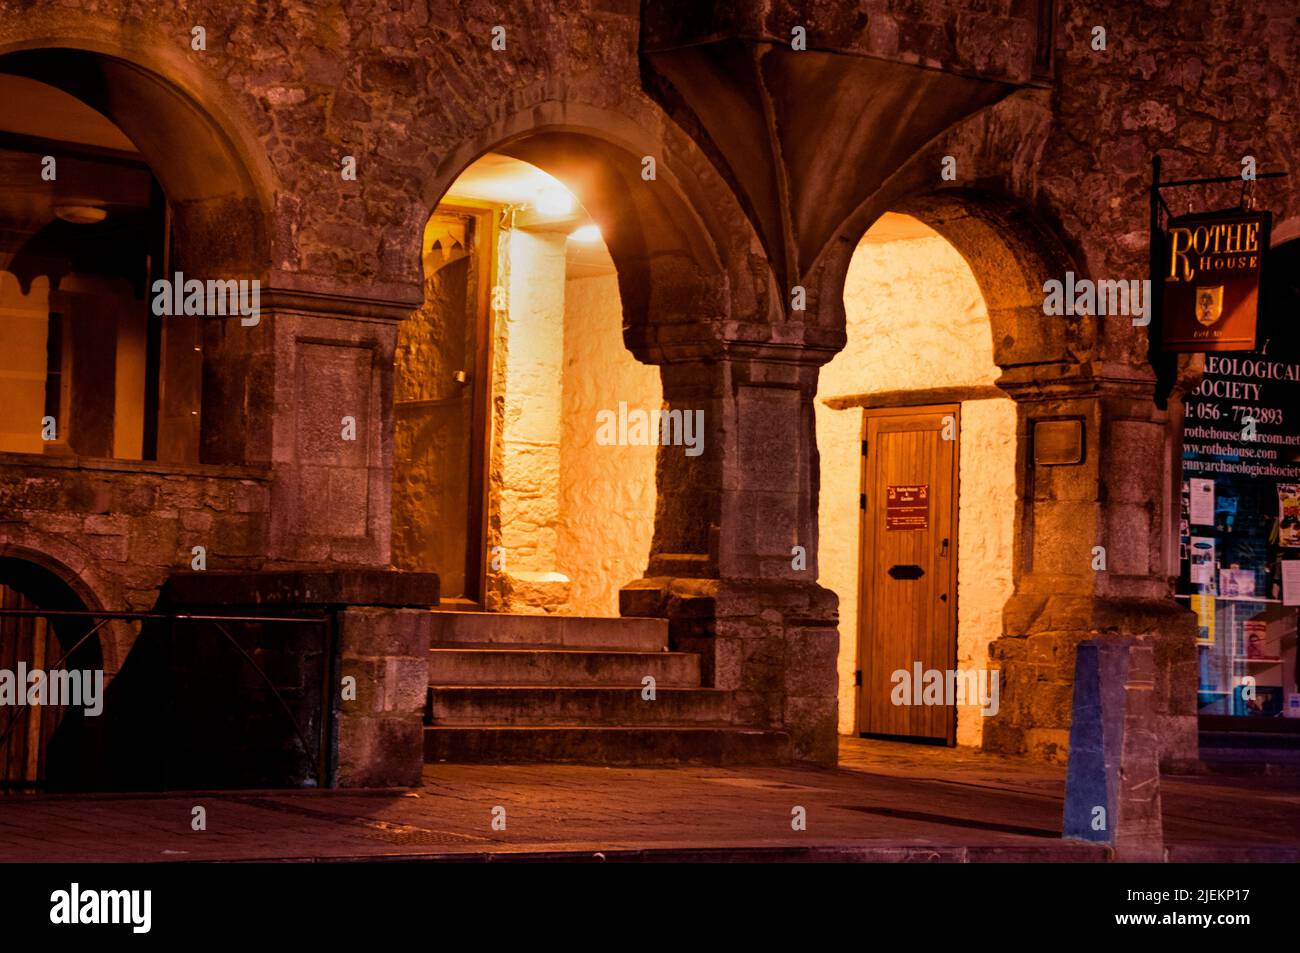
[906,572]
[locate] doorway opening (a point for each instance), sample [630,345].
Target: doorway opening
[505,481]
[42,739]
[917,498]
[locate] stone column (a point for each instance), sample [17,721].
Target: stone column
[307,391]
[1090,554]
[381,731]
[724,568]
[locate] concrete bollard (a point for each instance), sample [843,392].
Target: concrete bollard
[1112,789]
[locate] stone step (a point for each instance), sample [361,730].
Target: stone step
[561,666]
[574,705]
[494,628]
[489,744]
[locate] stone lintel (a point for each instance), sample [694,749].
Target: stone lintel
[308,294]
[1076,381]
[790,343]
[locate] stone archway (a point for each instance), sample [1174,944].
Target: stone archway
[682,248]
[680,255]
[1090,522]
[218,182]
[700,302]
[912,399]
[72,573]
[218,187]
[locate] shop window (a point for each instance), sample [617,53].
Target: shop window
[1239,531]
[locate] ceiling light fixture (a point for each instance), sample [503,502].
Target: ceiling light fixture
[81,214]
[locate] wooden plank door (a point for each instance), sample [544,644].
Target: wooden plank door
[441,408]
[908,566]
[25,730]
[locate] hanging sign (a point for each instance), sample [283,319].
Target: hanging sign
[1211,267]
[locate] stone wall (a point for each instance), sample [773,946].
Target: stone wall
[607,493]
[529,370]
[985,540]
[574,518]
[123,527]
[1203,85]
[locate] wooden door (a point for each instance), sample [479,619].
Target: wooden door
[908,567]
[25,730]
[441,408]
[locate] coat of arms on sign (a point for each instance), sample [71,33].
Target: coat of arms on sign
[1209,304]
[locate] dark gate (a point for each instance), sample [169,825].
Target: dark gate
[202,701]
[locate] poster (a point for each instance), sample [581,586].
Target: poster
[1202,502]
[1291,582]
[1261,643]
[1203,606]
[1238,521]
[1288,509]
[1202,562]
[1236,583]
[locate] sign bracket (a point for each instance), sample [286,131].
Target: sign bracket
[1165,364]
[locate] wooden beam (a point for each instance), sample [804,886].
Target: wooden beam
[911,398]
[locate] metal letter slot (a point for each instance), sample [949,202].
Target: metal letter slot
[906,572]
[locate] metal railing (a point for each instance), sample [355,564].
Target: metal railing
[163,629]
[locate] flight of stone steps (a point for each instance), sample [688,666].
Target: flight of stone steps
[528,688]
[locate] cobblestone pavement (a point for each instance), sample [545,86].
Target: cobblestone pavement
[885,802]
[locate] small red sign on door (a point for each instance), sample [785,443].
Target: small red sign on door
[907,507]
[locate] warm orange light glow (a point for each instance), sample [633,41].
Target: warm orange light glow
[554,200]
[585,233]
